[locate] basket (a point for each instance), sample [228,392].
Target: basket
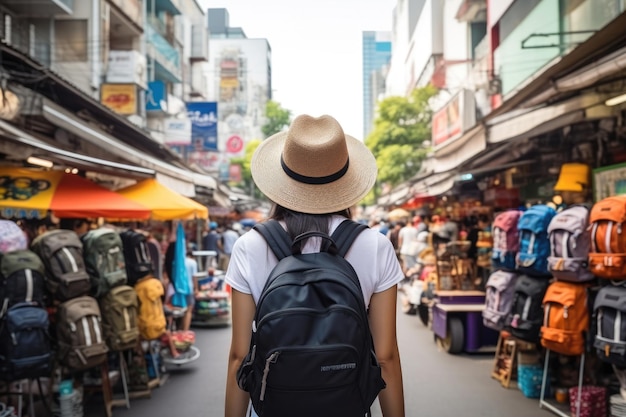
[592,401]
[529,379]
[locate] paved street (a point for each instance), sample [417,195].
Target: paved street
[436,383]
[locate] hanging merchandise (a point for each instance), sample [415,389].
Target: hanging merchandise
[570,244]
[151,318]
[11,237]
[62,254]
[136,255]
[565,318]
[534,245]
[104,258]
[526,316]
[607,258]
[21,279]
[609,324]
[499,293]
[119,317]
[573,177]
[505,239]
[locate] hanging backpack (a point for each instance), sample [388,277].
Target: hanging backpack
[79,334]
[62,254]
[311,349]
[104,258]
[136,256]
[505,239]
[119,317]
[569,245]
[499,292]
[609,325]
[565,318]
[151,318]
[526,316]
[607,258]
[21,279]
[534,245]
[25,350]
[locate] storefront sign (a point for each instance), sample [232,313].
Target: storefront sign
[203,116]
[156,96]
[454,118]
[177,131]
[121,98]
[126,67]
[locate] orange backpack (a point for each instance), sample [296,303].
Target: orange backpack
[565,318]
[607,258]
[151,317]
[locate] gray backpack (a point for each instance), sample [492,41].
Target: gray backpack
[499,294]
[570,245]
[62,254]
[79,334]
[104,258]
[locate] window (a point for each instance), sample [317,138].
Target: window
[71,40]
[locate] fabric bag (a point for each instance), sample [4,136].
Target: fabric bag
[570,245]
[565,318]
[104,258]
[12,238]
[79,334]
[609,325]
[61,251]
[151,317]
[534,245]
[136,256]
[25,350]
[499,292]
[505,239]
[607,258]
[311,349]
[526,316]
[119,317]
[21,279]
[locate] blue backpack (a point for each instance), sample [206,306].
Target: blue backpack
[534,244]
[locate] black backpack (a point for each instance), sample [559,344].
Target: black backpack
[25,350]
[311,352]
[21,279]
[608,325]
[526,316]
[136,256]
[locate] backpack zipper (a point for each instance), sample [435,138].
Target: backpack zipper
[272,359]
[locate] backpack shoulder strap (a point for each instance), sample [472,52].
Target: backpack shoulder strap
[345,234]
[276,237]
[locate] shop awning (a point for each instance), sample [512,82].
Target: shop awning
[31,193]
[537,121]
[435,184]
[182,180]
[164,203]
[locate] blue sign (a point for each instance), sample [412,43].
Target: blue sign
[203,116]
[156,96]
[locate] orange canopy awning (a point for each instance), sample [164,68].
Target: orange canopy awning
[164,203]
[31,193]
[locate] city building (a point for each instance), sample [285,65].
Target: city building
[376,55]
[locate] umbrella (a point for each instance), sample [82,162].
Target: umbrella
[164,203]
[31,193]
[397,214]
[181,279]
[11,237]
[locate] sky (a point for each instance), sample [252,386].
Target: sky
[316,50]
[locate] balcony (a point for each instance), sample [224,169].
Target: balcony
[40,8]
[164,57]
[170,6]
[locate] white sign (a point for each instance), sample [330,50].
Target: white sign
[127,67]
[177,131]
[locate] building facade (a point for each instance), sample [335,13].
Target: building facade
[376,55]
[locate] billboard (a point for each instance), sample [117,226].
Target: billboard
[203,116]
[121,98]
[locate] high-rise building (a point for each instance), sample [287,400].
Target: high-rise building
[376,55]
[240,81]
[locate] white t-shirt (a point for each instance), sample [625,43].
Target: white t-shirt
[408,234]
[371,255]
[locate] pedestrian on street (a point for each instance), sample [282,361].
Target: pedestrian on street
[229,237]
[316,197]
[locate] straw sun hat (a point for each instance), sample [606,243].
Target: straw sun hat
[314,167]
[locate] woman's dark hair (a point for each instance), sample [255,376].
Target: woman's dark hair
[298,223]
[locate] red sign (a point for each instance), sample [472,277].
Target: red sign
[446,122]
[234,144]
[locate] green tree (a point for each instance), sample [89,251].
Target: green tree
[276,117]
[397,141]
